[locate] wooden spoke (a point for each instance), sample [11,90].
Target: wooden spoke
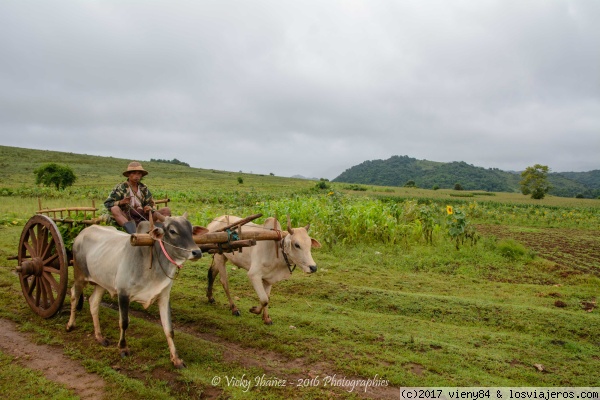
[47,294]
[49,261]
[38,292]
[52,281]
[31,285]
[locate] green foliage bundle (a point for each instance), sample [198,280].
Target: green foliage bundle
[69,231]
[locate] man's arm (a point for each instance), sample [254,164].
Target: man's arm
[117,194]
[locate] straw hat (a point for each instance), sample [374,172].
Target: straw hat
[135,166]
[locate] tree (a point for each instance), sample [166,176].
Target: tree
[61,176]
[535,181]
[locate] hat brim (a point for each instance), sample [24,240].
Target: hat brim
[143,171]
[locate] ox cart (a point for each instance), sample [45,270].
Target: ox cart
[43,258]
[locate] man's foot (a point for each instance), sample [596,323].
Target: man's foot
[130,227]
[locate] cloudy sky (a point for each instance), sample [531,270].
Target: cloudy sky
[305,87]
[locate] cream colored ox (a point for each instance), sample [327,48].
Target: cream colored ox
[267,262]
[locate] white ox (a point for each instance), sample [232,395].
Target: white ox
[266,262]
[104,257]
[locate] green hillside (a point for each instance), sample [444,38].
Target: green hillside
[102,173]
[399,170]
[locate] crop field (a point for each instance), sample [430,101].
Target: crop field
[414,288]
[572,251]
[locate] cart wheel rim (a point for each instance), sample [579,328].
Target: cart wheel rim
[43,266]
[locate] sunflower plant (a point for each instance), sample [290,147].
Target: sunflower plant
[459,227]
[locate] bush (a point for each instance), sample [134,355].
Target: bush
[52,174]
[322,184]
[513,250]
[355,187]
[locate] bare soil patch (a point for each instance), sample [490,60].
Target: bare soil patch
[573,251]
[51,361]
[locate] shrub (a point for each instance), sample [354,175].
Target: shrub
[355,188]
[322,184]
[52,174]
[513,250]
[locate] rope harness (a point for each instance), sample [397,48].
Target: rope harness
[279,243]
[164,251]
[287,261]
[232,235]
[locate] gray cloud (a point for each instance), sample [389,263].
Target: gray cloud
[307,88]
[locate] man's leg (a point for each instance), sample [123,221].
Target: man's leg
[122,220]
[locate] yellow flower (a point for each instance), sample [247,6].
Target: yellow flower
[330,193]
[449,210]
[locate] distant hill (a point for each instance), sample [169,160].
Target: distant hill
[399,170]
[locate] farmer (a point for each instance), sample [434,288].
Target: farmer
[131,202]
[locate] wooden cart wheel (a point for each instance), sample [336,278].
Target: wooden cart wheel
[43,266]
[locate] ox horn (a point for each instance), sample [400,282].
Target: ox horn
[289,225]
[307,227]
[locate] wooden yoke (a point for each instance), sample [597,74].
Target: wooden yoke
[144,239]
[219,241]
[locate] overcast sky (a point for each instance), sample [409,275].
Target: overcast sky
[305,87]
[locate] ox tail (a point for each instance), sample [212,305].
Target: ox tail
[80,302]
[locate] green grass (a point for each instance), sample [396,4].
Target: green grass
[383,303]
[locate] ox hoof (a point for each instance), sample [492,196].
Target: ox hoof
[179,364]
[211,300]
[235,312]
[103,342]
[268,321]
[70,328]
[124,352]
[255,310]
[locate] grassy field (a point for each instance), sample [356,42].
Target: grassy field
[397,298]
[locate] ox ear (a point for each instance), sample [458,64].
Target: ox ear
[199,230]
[289,225]
[157,233]
[314,243]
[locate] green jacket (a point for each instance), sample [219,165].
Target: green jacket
[120,192]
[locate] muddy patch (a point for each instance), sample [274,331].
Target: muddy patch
[50,361]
